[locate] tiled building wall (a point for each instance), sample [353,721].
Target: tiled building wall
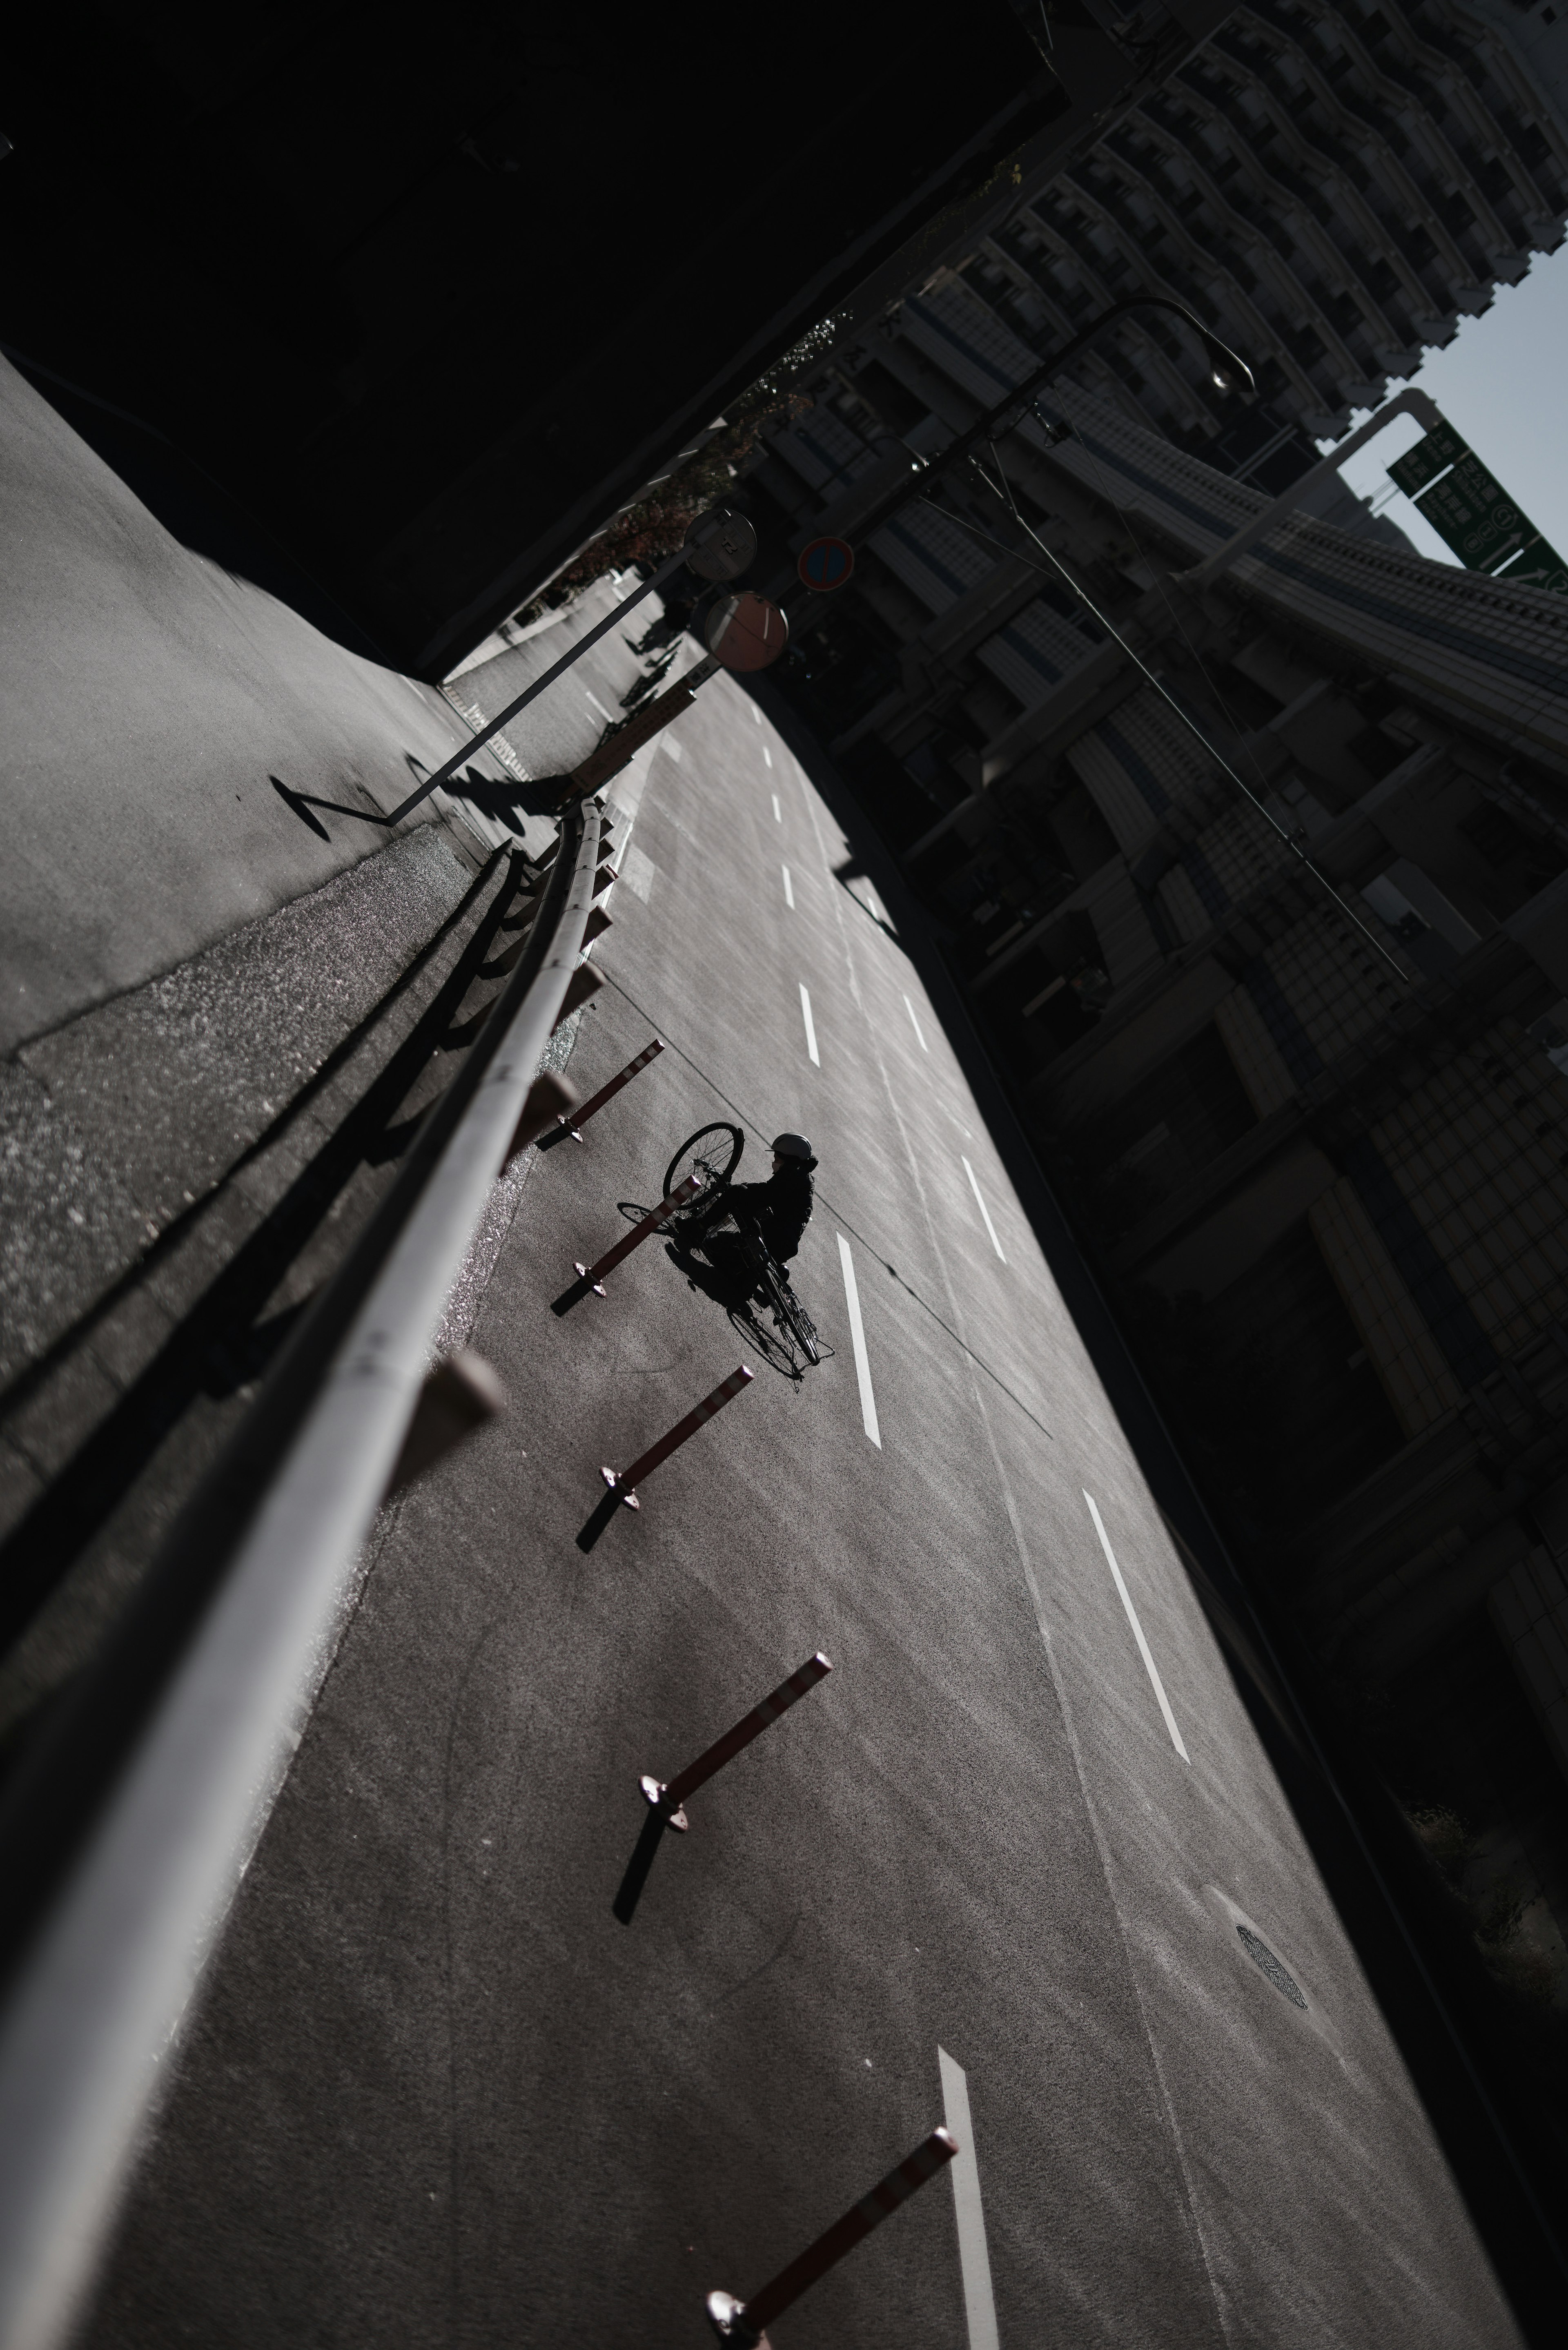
[1492,655]
[1440,1233]
[1530,1609]
[1448,1232]
[1333,186]
[1480,1151]
[1393,1215]
[1416,1374]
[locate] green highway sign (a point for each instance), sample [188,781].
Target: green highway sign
[1475,513]
[1470,510]
[1427,460]
[1539,566]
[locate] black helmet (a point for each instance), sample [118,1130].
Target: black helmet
[792,1146]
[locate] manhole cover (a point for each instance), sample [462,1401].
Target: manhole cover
[1258,1950]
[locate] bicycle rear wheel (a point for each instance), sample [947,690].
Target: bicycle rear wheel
[713,1152]
[791,1317]
[767,1345]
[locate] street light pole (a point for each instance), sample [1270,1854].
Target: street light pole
[1409,403]
[1229,371]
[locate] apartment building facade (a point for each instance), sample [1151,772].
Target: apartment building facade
[1333,186]
[1311,1123]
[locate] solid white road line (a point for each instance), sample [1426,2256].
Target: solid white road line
[918,1030]
[974,2261]
[598,706]
[1143,1649]
[810,1028]
[858,1340]
[985,1211]
[767,754]
[778,812]
[789,888]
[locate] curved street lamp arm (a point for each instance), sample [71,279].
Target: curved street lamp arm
[1230,371]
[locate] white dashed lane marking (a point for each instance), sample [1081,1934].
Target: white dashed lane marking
[857,1339]
[919,1031]
[767,754]
[1143,1646]
[985,1211]
[974,2260]
[778,812]
[789,886]
[598,706]
[810,1025]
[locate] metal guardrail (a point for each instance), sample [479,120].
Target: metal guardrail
[244,1611]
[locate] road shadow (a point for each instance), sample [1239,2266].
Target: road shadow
[637,1867]
[598,1519]
[506,803]
[852,869]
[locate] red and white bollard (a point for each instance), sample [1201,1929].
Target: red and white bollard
[596,1102]
[740,2323]
[623,1482]
[671,1799]
[665,1804]
[591,1277]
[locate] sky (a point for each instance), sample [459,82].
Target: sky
[1501,383]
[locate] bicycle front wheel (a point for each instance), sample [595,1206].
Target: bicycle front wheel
[714,1152]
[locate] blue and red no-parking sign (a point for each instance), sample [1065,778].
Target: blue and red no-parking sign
[826,564]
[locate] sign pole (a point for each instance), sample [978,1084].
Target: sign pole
[719,545]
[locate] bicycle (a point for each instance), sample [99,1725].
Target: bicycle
[793,1345]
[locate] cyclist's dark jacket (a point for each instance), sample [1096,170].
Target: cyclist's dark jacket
[781,1207]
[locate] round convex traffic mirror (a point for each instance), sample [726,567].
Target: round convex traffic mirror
[745,631]
[720,545]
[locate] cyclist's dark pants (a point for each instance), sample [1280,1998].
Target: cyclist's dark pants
[731,1274]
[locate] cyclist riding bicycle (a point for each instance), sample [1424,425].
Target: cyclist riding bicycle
[776,1213]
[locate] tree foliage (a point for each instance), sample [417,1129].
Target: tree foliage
[656,525]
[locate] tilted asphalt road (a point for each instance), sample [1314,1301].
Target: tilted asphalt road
[437,2093]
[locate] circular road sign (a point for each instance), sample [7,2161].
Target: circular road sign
[826,564]
[719,544]
[745,631]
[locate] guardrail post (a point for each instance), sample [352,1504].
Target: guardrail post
[740,2323]
[550,1102]
[583,986]
[460,1396]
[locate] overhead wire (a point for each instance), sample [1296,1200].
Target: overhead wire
[1125,516]
[1001,489]
[753,1127]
